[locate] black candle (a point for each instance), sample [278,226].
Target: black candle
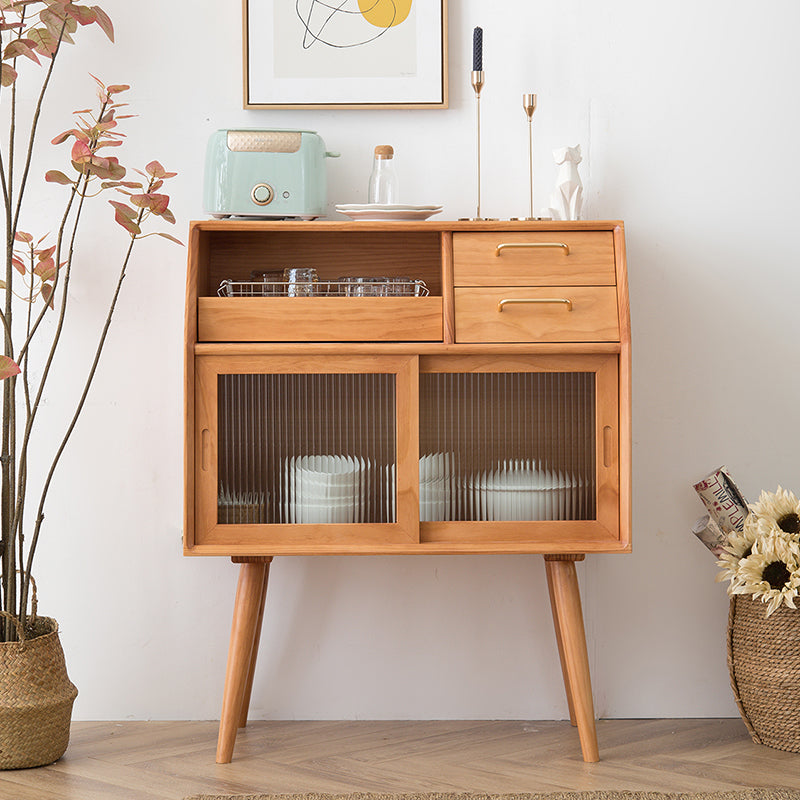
[477,50]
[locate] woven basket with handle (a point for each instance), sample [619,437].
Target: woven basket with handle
[764,665]
[36,698]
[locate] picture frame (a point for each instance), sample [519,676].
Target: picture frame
[355,54]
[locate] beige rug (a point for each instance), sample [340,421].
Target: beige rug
[742,794]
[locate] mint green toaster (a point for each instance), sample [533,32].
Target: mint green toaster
[254,172]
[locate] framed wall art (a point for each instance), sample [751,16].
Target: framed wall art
[345,54]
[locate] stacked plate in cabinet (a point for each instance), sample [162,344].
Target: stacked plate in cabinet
[326,488]
[518,489]
[436,484]
[338,488]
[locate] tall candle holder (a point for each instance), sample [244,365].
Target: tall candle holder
[529,104]
[477,81]
[476,78]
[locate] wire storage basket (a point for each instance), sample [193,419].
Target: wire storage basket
[341,287]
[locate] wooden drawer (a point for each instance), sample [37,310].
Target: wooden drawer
[537,314]
[319,319]
[537,258]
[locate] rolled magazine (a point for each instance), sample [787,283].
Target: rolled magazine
[723,500]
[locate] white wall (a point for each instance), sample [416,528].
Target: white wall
[687,119]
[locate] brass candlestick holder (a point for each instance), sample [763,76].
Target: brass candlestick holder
[529,104]
[476,78]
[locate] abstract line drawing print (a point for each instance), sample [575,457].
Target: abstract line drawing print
[317,17]
[345,38]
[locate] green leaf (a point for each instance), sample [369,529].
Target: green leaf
[52,21]
[83,14]
[46,253]
[116,184]
[44,41]
[155,169]
[80,152]
[7,74]
[124,209]
[128,224]
[104,22]
[8,367]
[157,203]
[106,168]
[46,269]
[76,132]
[47,294]
[171,238]
[21,47]
[54,176]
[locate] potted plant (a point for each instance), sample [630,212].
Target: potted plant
[762,562]
[36,695]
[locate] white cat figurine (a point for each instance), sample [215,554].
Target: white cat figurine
[567,199]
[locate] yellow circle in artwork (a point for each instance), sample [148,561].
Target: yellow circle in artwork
[384,13]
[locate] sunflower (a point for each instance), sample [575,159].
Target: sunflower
[739,545]
[780,510]
[771,572]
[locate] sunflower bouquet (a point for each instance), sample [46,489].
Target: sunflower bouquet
[763,559]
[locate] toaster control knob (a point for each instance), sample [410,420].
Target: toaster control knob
[262,194]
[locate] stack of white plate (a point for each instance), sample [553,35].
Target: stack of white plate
[326,488]
[519,490]
[435,486]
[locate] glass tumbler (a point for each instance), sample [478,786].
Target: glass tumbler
[300,281]
[401,287]
[268,283]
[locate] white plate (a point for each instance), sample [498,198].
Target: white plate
[377,211]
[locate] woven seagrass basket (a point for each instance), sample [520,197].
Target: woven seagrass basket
[36,698]
[764,665]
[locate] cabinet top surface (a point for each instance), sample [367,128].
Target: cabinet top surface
[403,225]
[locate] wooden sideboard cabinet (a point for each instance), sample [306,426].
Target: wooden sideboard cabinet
[486,412]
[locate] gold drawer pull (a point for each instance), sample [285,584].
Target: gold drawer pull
[528,245]
[564,300]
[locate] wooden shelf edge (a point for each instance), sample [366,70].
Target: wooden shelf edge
[435,548]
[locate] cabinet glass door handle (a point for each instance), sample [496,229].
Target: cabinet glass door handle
[530,246]
[515,301]
[205,446]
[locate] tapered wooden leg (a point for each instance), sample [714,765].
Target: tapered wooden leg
[565,596]
[240,653]
[248,689]
[560,642]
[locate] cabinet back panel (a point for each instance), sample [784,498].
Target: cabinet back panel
[412,254]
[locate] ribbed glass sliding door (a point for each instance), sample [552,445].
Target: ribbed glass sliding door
[306,448]
[507,446]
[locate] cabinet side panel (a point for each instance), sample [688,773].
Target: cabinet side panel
[625,399]
[195,254]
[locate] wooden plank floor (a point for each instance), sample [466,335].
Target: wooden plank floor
[169,760]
